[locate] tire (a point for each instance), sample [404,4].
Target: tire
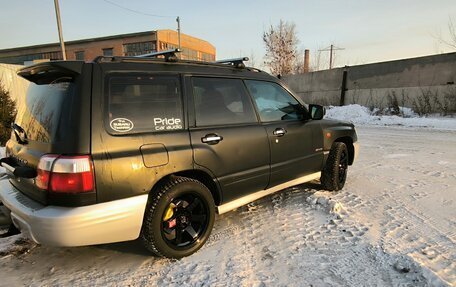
[178,218]
[334,173]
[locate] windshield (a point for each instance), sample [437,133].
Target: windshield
[40,114]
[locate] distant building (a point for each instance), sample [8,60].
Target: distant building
[118,45]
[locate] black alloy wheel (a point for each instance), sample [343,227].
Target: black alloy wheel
[179,218]
[188,221]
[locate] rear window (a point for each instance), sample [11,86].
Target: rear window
[143,103]
[40,114]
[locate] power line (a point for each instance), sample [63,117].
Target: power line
[136,11]
[151,15]
[331,50]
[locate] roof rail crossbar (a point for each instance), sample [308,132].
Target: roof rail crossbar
[170,55]
[237,62]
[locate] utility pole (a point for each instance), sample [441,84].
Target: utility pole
[331,50]
[59,26]
[178,32]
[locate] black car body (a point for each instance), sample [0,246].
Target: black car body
[99,149]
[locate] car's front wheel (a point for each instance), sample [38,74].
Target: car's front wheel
[334,173]
[179,218]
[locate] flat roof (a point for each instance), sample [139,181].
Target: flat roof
[82,41]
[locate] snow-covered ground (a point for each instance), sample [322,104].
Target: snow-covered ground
[360,115]
[394,224]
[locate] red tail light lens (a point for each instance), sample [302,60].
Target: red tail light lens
[65,174]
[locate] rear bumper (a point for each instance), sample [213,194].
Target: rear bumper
[113,221]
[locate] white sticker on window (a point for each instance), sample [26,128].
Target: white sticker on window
[166,124]
[121,125]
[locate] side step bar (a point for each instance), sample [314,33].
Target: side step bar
[262,193]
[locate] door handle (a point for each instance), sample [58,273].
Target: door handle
[211,139]
[279,132]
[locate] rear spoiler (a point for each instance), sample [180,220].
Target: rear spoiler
[49,72]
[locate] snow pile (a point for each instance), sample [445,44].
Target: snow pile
[15,245]
[360,115]
[323,200]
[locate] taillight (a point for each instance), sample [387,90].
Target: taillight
[65,174]
[44,170]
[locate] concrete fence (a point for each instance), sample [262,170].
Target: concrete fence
[425,84]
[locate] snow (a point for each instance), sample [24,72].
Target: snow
[360,115]
[393,224]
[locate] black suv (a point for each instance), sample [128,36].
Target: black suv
[153,147]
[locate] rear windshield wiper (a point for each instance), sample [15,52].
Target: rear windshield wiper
[20,134]
[13,170]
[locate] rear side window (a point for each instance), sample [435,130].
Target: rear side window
[143,103]
[45,110]
[221,101]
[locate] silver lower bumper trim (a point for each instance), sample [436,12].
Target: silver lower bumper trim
[113,221]
[262,193]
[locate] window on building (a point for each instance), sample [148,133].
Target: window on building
[207,57]
[139,48]
[167,46]
[53,55]
[188,54]
[221,101]
[143,103]
[79,55]
[107,52]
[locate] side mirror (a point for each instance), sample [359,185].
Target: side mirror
[317,112]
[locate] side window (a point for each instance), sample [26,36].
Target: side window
[221,102]
[274,103]
[142,103]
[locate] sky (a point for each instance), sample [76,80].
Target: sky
[368,31]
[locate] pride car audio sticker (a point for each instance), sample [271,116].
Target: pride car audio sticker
[166,124]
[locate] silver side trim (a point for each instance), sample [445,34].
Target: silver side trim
[262,193]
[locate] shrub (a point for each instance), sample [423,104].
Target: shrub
[7,115]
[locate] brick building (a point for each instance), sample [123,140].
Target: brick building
[118,45]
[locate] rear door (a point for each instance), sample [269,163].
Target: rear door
[139,132]
[226,136]
[292,137]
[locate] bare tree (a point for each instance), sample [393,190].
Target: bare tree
[449,41]
[281,46]
[452,31]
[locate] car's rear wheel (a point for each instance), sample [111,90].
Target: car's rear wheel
[179,218]
[334,173]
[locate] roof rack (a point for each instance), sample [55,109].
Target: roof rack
[237,62]
[170,55]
